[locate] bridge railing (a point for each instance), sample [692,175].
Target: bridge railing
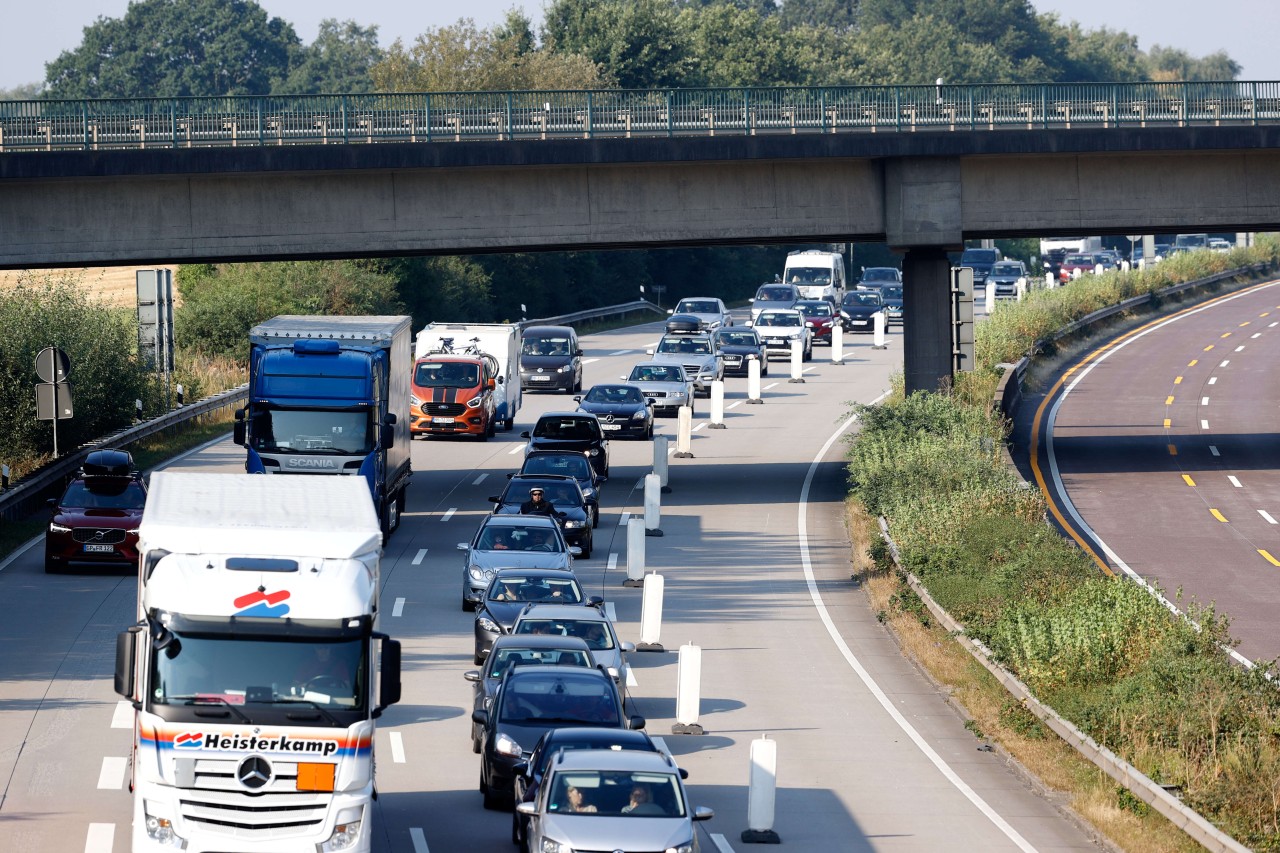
[59,125]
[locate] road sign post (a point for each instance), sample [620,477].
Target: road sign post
[53,393]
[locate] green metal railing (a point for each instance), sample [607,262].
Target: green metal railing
[48,125]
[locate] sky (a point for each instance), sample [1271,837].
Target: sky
[34,34]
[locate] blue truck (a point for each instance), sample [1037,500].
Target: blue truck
[330,395]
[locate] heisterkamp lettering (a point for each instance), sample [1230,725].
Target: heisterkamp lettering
[282,743]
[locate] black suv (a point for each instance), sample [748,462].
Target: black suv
[531,701]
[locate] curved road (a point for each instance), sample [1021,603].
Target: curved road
[756,561]
[1162,448]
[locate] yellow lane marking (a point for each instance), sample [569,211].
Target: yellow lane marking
[1178,381]
[1217,514]
[1038,420]
[1168,401]
[1226,335]
[1167,423]
[1209,347]
[1190,482]
[1193,362]
[1245,323]
[1173,450]
[1267,556]
[1265,314]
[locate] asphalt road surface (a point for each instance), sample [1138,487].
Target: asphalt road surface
[757,568]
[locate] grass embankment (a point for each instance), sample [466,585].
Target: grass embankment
[1155,689]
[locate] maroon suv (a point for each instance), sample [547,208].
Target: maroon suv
[95,522]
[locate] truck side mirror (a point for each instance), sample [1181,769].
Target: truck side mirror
[238,432]
[126,660]
[387,434]
[389,674]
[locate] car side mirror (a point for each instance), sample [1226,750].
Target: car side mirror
[700,813]
[480,716]
[238,430]
[684,774]
[648,401]
[471,675]
[529,809]
[578,353]
[524,434]
[493,499]
[575,550]
[492,383]
[52,501]
[463,546]
[595,600]
[577,399]
[648,352]
[628,647]
[635,722]
[671,311]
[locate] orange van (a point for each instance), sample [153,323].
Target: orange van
[453,395]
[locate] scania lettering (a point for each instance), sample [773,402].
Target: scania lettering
[256,669]
[330,395]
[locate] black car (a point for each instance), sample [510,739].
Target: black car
[512,589]
[859,308]
[526,650]
[531,701]
[681,323]
[565,496]
[567,463]
[623,410]
[578,431]
[893,303]
[95,522]
[738,347]
[530,772]
[550,359]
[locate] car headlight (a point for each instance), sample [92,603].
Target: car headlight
[586,493]
[487,624]
[160,829]
[687,847]
[505,745]
[479,574]
[414,401]
[474,403]
[844,314]
[595,451]
[564,369]
[58,528]
[574,525]
[638,416]
[550,846]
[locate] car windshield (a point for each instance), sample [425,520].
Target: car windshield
[775,294]
[558,493]
[503,659]
[533,696]
[978,256]
[595,632]
[523,588]
[684,346]
[1079,260]
[568,465]
[742,339]
[110,493]
[337,433]
[809,275]
[779,320]
[880,274]
[856,299]
[613,394]
[817,309]
[548,345]
[579,429]
[892,292]
[446,375]
[697,306]
[511,538]
[613,794]
[1006,269]
[656,373]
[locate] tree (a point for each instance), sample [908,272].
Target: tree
[25,92]
[730,46]
[835,14]
[638,42]
[338,61]
[1170,65]
[177,48]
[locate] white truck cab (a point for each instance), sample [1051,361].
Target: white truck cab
[819,275]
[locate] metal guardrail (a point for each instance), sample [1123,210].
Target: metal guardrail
[594,314]
[20,498]
[255,121]
[1134,780]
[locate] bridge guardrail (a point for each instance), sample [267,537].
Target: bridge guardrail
[594,314]
[414,117]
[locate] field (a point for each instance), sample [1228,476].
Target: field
[113,285]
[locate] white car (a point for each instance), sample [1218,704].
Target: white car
[696,354]
[779,327]
[709,310]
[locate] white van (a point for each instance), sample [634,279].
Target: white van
[818,275]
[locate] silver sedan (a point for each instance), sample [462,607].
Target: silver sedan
[666,385]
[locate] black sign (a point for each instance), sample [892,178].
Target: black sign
[53,401]
[52,365]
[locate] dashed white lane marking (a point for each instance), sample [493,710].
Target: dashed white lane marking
[1204,424]
[613,562]
[397,747]
[1273,325]
[770,385]
[100,838]
[699,426]
[417,561]
[478,480]
[609,612]
[671,449]
[622,352]
[513,451]
[1213,380]
[1256,335]
[631,679]
[448,513]
[111,776]
[1267,516]
[806,370]
[1204,401]
[1234,482]
[419,840]
[622,522]
[398,608]
[1240,348]
[1214,450]
[721,843]
[589,360]
[122,717]
[735,404]
[1225,363]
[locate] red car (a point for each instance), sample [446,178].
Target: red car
[820,315]
[95,522]
[1087,264]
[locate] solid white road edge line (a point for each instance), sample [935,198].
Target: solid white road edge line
[398,609]
[870,683]
[122,717]
[422,552]
[419,840]
[397,747]
[100,838]
[1056,477]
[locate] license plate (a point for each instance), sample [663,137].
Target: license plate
[99,549]
[777,341]
[610,426]
[540,378]
[442,420]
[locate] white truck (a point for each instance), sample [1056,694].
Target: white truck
[255,669]
[499,341]
[818,275]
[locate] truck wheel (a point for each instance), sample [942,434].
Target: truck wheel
[509,424]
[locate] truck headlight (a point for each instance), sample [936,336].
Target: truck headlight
[346,833]
[160,830]
[415,401]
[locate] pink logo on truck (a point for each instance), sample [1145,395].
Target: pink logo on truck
[258,603]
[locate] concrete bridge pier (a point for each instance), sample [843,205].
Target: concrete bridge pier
[926,324]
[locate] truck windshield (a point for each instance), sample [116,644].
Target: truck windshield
[252,675]
[446,375]
[808,275]
[312,431]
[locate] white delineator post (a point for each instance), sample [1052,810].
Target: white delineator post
[837,344]
[753,381]
[688,690]
[1050,281]
[717,404]
[652,505]
[877,331]
[635,553]
[989,297]
[797,358]
[762,788]
[1021,289]
[684,433]
[651,614]
[661,465]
